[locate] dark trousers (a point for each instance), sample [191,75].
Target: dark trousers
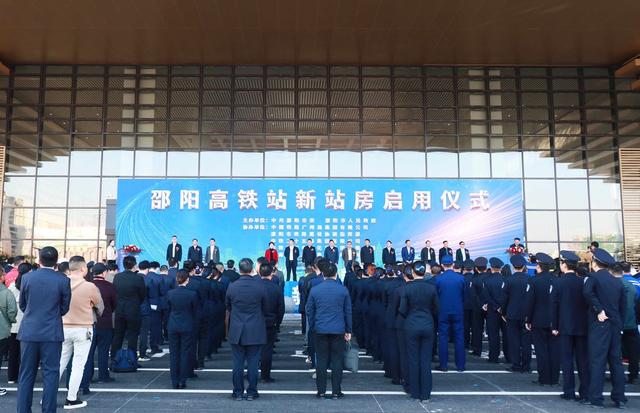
[631,347]
[129,326]
[145,326]
[101,341]
[493,331]
[179,356]
[519,345]
[4,349]
[348,265]
[468,321]
[303,322]
[419,348]
[358,328]
[14,358]
[402,352]
[392,354]
[329,347]
[574,349]
[199,343]
[266,355]
[47,356]
[311,349]
[291,268]
[451,322]
[155,330]
[542,342]
[366,321]
[477,330]
[165,323]
[249,355]
[605,347]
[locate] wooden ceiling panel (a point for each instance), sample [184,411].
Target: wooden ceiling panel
[412,32]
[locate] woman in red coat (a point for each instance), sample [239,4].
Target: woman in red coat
[271,254]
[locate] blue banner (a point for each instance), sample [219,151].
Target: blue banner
[243,215]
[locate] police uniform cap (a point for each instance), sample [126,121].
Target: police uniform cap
[518,261]
[480,262]
[495,262]
[603,257]
[543,258]
[569,256]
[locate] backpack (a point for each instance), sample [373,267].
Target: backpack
[125,361]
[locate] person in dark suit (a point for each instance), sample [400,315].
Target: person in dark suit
[246,303]
[367,254]
[392,358]
[213,252]
[131,292]
[273,313]
[331,253]
[389,254]
[168,283]
[450,287]
[478,314]
[329,311]
[605,295]
[428,254]
[568,322]
[174,250]
[45,296]
[514,299]
[408,253]
[445,250]
[182,304]
[309,254]
[492,304]
[348,256]
[462,254]
[419,305]
[291,254]
[230,273]
[200,331]
[195,252]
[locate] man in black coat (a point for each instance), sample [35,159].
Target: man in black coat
[367,253]
[131,292]
[514,300]
[174,250]
[428,254]
[309,253]
[445,250]
[195,252]
[273,313]
[246,303]
[291,254]
[230,273]
[389,254]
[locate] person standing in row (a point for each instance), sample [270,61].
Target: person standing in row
[273,313]
[246,304]
[514,293]
[367,254]
[408,252]
[469,299]
[182,306]
[195,252]
[112,253]
[349,256]
[271,254]
[331,253]
[174,250]
[329,312]
[308,254]
[45,296]
[445,250]
[131,293]
[13,364]
[8,314]
[477,322]
[492,304]
[450,287]
[291,254]
[389,254]
[213,252]
[428,254]
[418,305]
[462,254]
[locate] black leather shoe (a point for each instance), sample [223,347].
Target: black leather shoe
[620,405]
[336,396]
[320,395]
[567,397]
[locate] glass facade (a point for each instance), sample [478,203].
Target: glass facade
[72,131]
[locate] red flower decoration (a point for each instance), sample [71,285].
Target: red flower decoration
[132,249]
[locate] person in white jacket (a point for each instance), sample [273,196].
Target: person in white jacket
[14,344]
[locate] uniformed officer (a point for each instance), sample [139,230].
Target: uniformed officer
[367,253]
[418,304]
[469,298]
[514,299]
[218,287]
[538,321]
[492,299]
[182,304]
[200,324]
[606,299]
[273,310]
[450,287]
[390,341]
[477,325]
[407,276]
[569,323]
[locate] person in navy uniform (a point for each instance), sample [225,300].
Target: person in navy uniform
[309,254]
[182,306]
[195,252]
[428,254]
[246,303]
[445,250]
[469,298]
[569,324]
[291,254]
[514,299]
[329,311]
[331,253]
[477,322]
[367,255]
[450,286]
[462,254]
[200,331]
[538,321]
[492,298]
[174,250]
[408,252]
[156,303]
[273,312]
[213,252]
[389,254]
[131,292]
[606,299]
[418,305]
[45,296]
[392,358]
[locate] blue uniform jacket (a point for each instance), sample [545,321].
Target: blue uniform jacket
[450,286]
[419,305]
[274,303]
[514,296]
[329,308]
[603,291]
[246,303]
[568,306]
[182,304]
[44,298]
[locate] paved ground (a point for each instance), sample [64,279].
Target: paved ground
[483,387]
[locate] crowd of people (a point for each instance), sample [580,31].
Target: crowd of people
[63,316]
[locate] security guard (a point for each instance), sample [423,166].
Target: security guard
[569,323]
[390,341]
[182,305]
[477,325]
[538,320]
[492,298]
[469,298]
[450,287]
[273,309]
[407,276]
[514,299]
[606,299]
